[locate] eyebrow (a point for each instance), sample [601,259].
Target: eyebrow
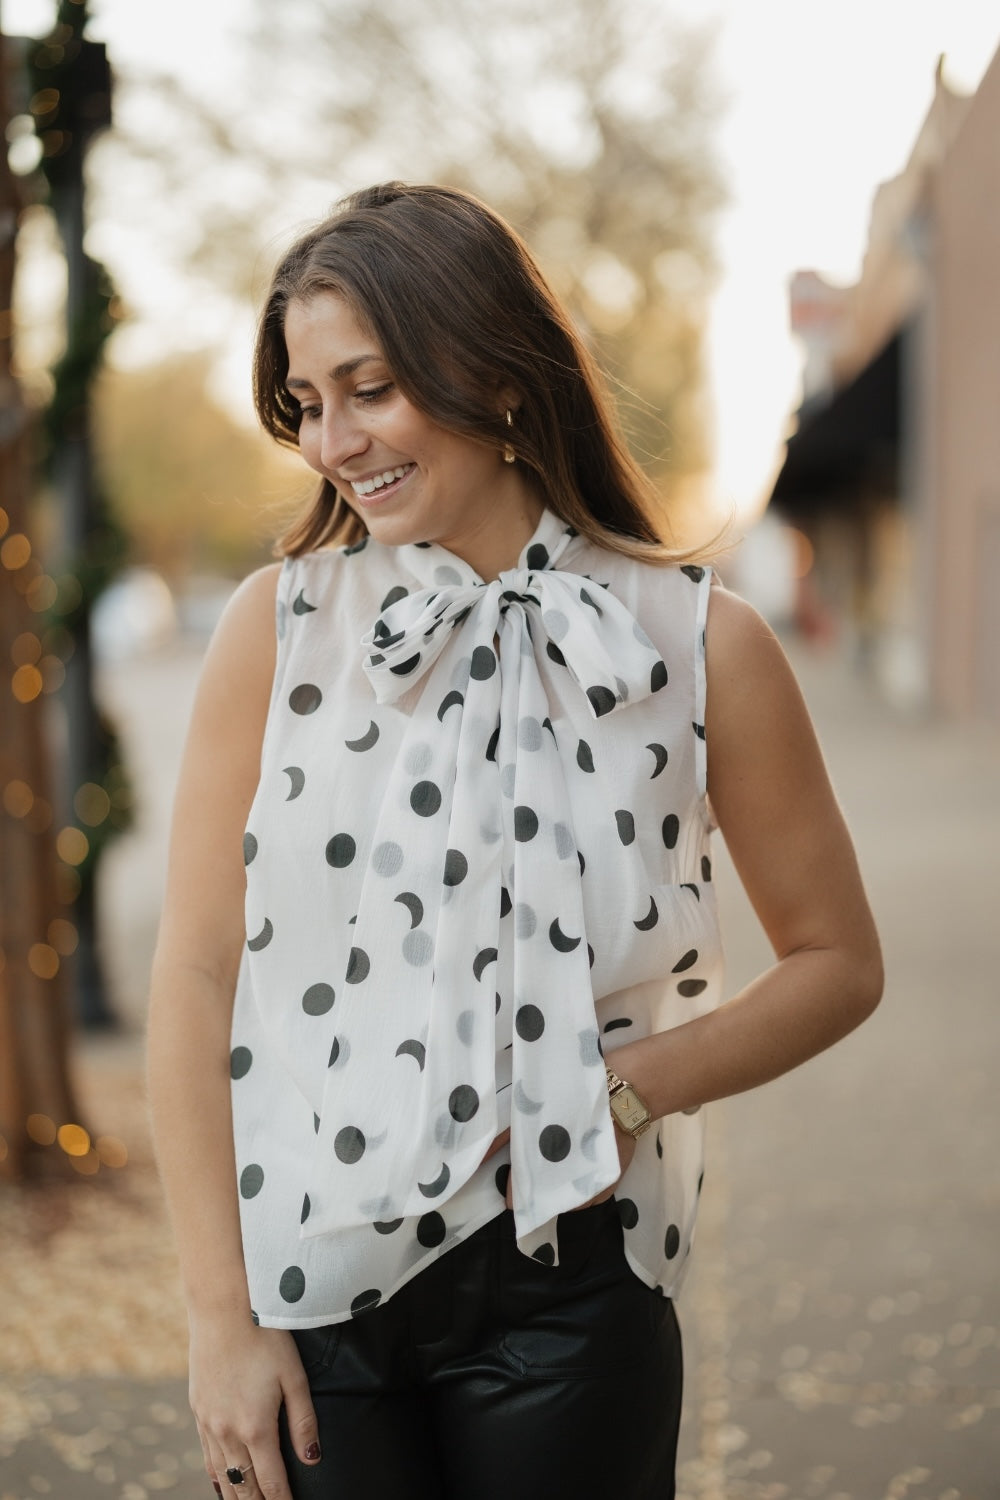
[339,372]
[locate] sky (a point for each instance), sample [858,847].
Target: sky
[824,99]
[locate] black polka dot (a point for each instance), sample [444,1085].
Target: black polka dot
[456,867]
[365,1302]
[292,1284]
[349,1144]
[588,599]
[425,799]
[545,1254]
[450,700]
[316,1123]
[584,756]
[706,868]
[537,556]
[340,851]
[694,573]
[699,730]
[617,1024]
[239,1062]
[687,962]
[602,700]
[359,547]
[358,965]
[404,668]
[691,987]
[628,1213]
[671,830]
[318,999]
[393,596]
[491,748]
[554,654]
[436,1188]
[583,862]
[249,848]
[305,699]
[672,1242]
[626,825]
[306,1206]
[251,1180]
[525,824]
[484,663]
[334,1052]
[254,1318]
[365,741]
[559,939]
[501,1177]
[590,954]
[386,1226]
[463,1103]
[529,1023]
[483,957]
[658,676]
[431,1230]
[659,1146]
[505,901]
[264,936]
[554,1143]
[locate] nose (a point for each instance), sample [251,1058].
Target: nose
[342,438]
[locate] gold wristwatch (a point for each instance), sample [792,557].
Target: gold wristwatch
[627,1106]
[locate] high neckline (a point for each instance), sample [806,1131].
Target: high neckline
[433,563]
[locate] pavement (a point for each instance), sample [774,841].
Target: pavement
[842,1317]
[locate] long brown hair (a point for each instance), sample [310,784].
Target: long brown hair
[459,308]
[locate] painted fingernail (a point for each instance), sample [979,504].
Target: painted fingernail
[312,1452]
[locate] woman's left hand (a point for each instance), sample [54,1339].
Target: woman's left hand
[626,1151]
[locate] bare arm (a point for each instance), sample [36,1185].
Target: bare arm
[239,1374]
[793,853]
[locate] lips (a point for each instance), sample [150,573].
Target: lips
[374,482]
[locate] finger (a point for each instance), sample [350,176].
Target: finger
[300,1415]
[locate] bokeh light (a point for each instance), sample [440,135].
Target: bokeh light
[73,1139]
[43,961]
[72,846]
[40,1129]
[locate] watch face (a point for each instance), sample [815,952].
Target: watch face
[629,1108]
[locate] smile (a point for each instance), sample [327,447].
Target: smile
[380,481]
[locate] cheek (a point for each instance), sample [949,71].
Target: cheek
[310,442]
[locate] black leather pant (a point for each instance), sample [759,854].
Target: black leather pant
[492,1377]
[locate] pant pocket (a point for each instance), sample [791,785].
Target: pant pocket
[318,1346]
[585,1315]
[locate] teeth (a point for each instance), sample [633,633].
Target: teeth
[379,481]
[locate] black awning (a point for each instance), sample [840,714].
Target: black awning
[850,444]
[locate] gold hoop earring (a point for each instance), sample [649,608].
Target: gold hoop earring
[509,456]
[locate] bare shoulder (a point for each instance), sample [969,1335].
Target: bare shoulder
[246,625]
[749,680]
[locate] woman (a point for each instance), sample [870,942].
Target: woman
[426,1063]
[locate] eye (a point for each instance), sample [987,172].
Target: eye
[310,413]
[373,393]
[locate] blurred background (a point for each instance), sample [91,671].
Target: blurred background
[778,226]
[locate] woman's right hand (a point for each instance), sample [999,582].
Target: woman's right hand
[240,1376]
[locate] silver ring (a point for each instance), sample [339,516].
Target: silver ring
[236,1475]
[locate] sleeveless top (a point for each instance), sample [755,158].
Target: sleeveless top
[477,861]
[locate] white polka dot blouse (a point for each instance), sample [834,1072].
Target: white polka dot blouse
[477,861]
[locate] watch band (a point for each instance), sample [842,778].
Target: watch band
[628,1107]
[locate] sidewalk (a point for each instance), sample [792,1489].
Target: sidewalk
[842,1319]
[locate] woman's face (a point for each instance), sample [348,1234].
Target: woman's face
[407,478]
